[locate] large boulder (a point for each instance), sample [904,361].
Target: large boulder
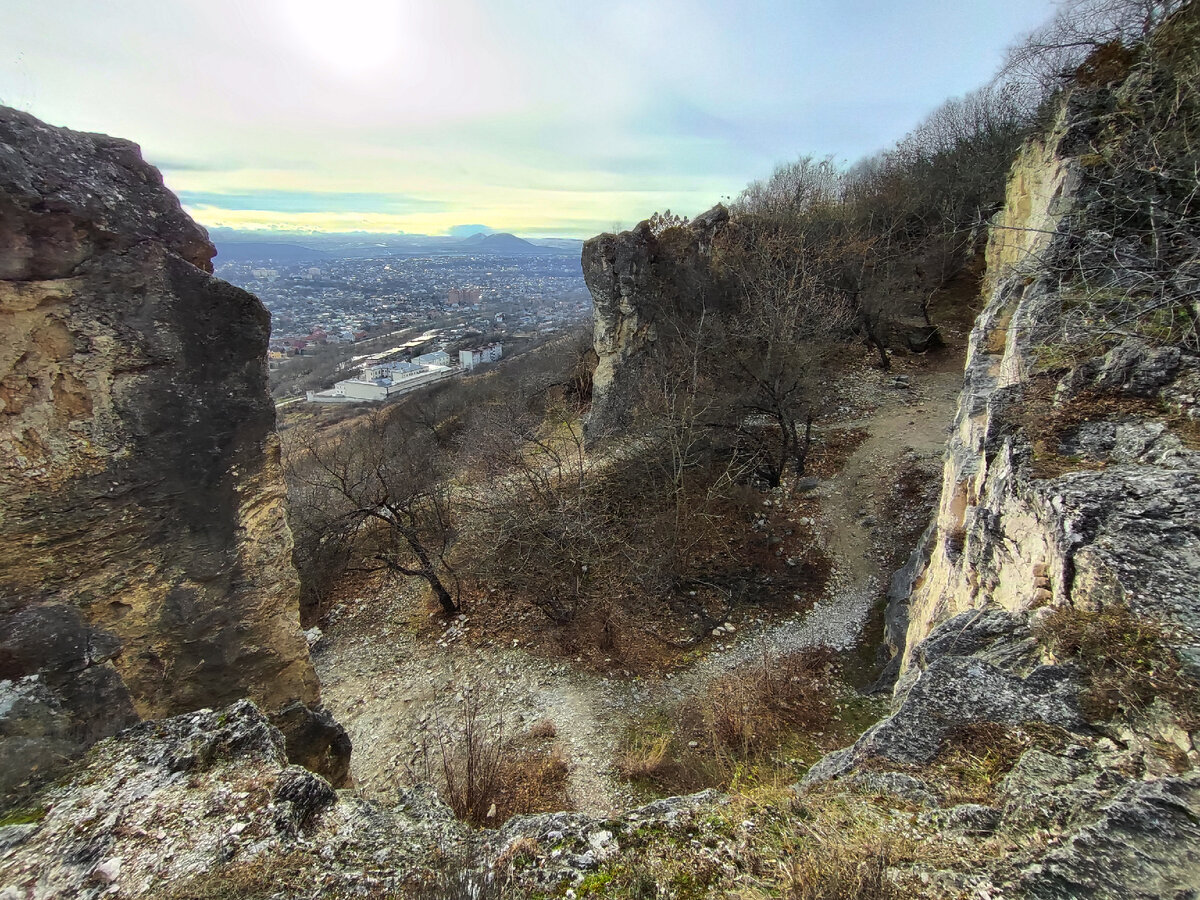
[147,567]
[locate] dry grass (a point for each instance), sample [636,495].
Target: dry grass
[748,713]
[266,877]
[757,728]
[1049,425]
[1127,662]
[975,757]
[485,774]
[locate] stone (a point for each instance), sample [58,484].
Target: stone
[1144,845]
[637,281]
[958,684]
[147,569]
[969,818]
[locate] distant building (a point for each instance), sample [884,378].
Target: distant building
[464,296]
[477,356]
[380,380]
[437,358]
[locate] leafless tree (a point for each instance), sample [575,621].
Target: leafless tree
[791,310]
[1042,63]
[379,489]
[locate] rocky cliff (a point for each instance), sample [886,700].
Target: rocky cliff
[147,565]
[1058,595]
[1072,467]
[644,287]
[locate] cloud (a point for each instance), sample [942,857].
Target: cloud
[311,202]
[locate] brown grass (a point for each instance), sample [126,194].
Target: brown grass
[1127,662]
[976,756]
[266,877]
[487,776]
[1048,425]
[759,727]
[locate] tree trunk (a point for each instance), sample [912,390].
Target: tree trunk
[448,604]
[802,450]
[873,339]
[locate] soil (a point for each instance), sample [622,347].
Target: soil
[391,673]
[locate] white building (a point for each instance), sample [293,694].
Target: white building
[477,356]
[437,358]
[378,381]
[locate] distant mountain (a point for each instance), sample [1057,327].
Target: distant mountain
[265,251]
[251,246]
[504,244]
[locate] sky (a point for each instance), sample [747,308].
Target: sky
[539,117]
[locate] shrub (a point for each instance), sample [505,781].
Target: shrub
[488,776]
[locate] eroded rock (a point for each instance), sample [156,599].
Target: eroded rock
[147,568]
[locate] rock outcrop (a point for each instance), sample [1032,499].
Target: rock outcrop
[645,287]
[147,566]
[1063,485]
[1069,489]
[206,804]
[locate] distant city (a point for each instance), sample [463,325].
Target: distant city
[531,291]
[448,294]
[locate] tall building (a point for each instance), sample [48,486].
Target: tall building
[464,296]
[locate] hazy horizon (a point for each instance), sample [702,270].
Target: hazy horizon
[289,117]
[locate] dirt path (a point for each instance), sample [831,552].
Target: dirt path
[384,684]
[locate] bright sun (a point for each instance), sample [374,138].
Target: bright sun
[348,38]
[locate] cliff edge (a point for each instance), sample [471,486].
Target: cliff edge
[147,569]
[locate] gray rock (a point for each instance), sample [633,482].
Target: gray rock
[967,677]
[1051,790]
[968,818]
[897,784]
[1144,846]
[139,470]
[306,795]
[637,283]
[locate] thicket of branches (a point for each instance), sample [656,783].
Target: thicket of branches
[895,228]
[1128,265]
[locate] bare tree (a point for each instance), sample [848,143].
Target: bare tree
[791,309]
[1042,63]
[379,489]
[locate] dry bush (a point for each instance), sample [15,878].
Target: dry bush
[834,870]
[486,774]
[748,713]
[1127,661]
[531,780]
[543,730]
[739,730]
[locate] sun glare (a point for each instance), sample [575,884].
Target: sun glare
[348,38]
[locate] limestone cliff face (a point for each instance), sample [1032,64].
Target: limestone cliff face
[638,280]
[147,565]
[1013,530]
[1070,485]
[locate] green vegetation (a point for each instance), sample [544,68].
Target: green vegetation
[28,815]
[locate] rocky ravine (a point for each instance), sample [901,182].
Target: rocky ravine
[147,568]
[989,779]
